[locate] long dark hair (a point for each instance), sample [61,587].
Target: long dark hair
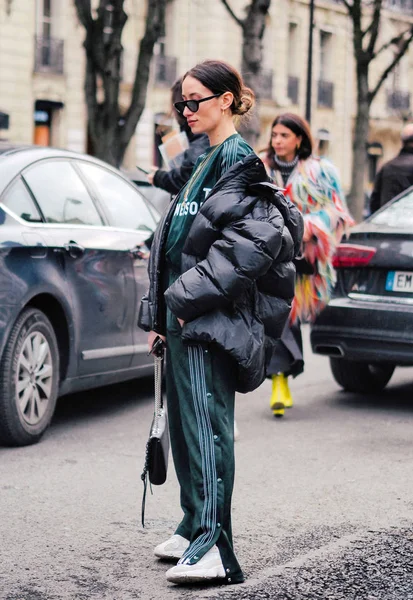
[220,77]
[176,96]
[301,128]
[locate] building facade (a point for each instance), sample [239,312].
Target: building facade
[42,73]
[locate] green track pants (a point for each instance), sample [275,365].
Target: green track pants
[200,394]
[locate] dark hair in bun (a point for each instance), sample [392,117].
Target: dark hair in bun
[220,77]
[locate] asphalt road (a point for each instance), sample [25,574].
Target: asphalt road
[323,503]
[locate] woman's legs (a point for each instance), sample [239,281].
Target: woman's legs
[287,360]
[201,391]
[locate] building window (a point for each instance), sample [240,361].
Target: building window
[293,63]
[46,18]
[398,97]
[323,141]
[325,92]
[403,6]
[267,83]
[165,67]
[48,48]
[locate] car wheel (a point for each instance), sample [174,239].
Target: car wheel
[359,376]
[29,377]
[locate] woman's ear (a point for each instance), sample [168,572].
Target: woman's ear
[227,99]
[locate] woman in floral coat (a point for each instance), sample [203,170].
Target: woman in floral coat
[312,184]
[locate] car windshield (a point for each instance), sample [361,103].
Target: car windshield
[398,215]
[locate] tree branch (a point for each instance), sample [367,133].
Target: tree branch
[239,21]
[111,76]
[348,6]
[392,42]
[398,56]
[84,13]
[367,30]
[355,15]
[375,26]
[155,25]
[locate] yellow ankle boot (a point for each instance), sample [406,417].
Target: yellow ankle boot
[288,399]
[281,396]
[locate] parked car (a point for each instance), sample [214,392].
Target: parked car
[73,267]
[160,199]
[367,328]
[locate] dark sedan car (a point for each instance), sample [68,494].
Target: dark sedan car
[73,267]
[367,328]
[155,196]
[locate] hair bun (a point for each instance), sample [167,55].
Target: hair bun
[246,102]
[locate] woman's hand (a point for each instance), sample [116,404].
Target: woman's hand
[181,322]
[152,337]
[151,175]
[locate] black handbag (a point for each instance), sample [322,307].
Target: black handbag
[157,446]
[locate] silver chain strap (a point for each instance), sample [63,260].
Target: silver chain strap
[158,393]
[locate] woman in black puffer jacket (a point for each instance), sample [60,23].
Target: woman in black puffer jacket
[222,281]
[238,277]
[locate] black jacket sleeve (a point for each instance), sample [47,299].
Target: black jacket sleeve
[375,198]
[172,181]
[245,251]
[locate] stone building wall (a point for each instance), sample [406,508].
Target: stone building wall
[195,30]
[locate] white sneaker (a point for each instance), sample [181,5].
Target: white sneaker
[208,567]
[172,548]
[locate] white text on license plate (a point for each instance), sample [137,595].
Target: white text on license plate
[399,281]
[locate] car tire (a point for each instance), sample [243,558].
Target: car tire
[361,377]
[29,379]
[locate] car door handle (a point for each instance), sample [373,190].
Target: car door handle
[74,249]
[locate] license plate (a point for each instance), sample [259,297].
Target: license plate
[399,281]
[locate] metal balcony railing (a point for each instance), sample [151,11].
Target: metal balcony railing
[292,89]
[402,6]
[48,55]
[325,94]
[165,69]
[267,80]
[398,100]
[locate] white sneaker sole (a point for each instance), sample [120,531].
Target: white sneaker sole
[197,576]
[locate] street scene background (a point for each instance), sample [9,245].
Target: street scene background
[322,504]
[323,501]
[357,92]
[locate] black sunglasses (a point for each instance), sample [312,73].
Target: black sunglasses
[192,105]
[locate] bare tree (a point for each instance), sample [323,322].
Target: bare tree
[253,28]
[366,19]
[110,129]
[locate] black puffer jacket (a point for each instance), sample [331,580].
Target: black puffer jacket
[238,275]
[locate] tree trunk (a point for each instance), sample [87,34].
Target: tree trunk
[253,27]
[155,28]
[110,131]
[361,134]
[252,60]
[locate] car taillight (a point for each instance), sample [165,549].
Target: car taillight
[351,255]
